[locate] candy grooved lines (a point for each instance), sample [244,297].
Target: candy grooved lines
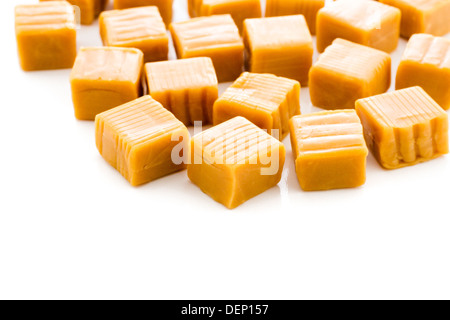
[404,127]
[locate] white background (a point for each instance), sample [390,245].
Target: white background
[72,227]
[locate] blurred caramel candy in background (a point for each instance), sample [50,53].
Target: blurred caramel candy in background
[187,87]
[329,150]
[235,161]
[266,100]
[216,37]
[89,9]
[46,35]
[404,127]
[308,8]
[141,28]
[138,139]
[103,78]
[365,22]
[423,16]
[426,63]
[194,7]
[239,9]
[164,6]
[346,72]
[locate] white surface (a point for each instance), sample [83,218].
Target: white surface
[72,227]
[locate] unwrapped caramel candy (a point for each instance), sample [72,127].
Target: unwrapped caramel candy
[239,9]
[235,161]
[308,8]
[187,87]
[89,9]
[46,35]
[279,45]
[103,78]
[404,127]
[423,16]
[216,37]
[329,150]
[347,71]
[164,6]
[266,100]
[194,7]
[365,22]
[426,63]
[141,28]
[141,139]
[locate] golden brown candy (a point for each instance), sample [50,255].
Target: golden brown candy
[279,45]
[46,35]
[365,22]
[266,100]
[141,28]
[103,78]
[187,87]
[140,140]
[89,9]
[164,6]
[404,127]
[329,150]
[423,16]
[216,37]
[308,8]
[426,63]
[235,161]
[347,71]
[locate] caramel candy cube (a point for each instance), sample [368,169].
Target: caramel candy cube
[426,63]
[308,8]
[239,9]
[329,150]
[365,22]
[279,45]
[103,78]
[89,9]
[423,16]
[46,35]
[186,87]
[346,72]
[216,37]
[235,161]
[404,127]
[266,100]
[193,7]
[141,139]
[164,6]
[141,28]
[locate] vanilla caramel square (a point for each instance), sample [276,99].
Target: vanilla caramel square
[164,6]
[89,9]
[329,150]
[369,23]
[46,35]
[346,72]
[103,78]
[308,8]
[141,28]
[279,45]
[139,139]
[426,63]
[423,16]
[239,9]
[216,37]
[404,127]
[187,87]
[235,161]
[266,100]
